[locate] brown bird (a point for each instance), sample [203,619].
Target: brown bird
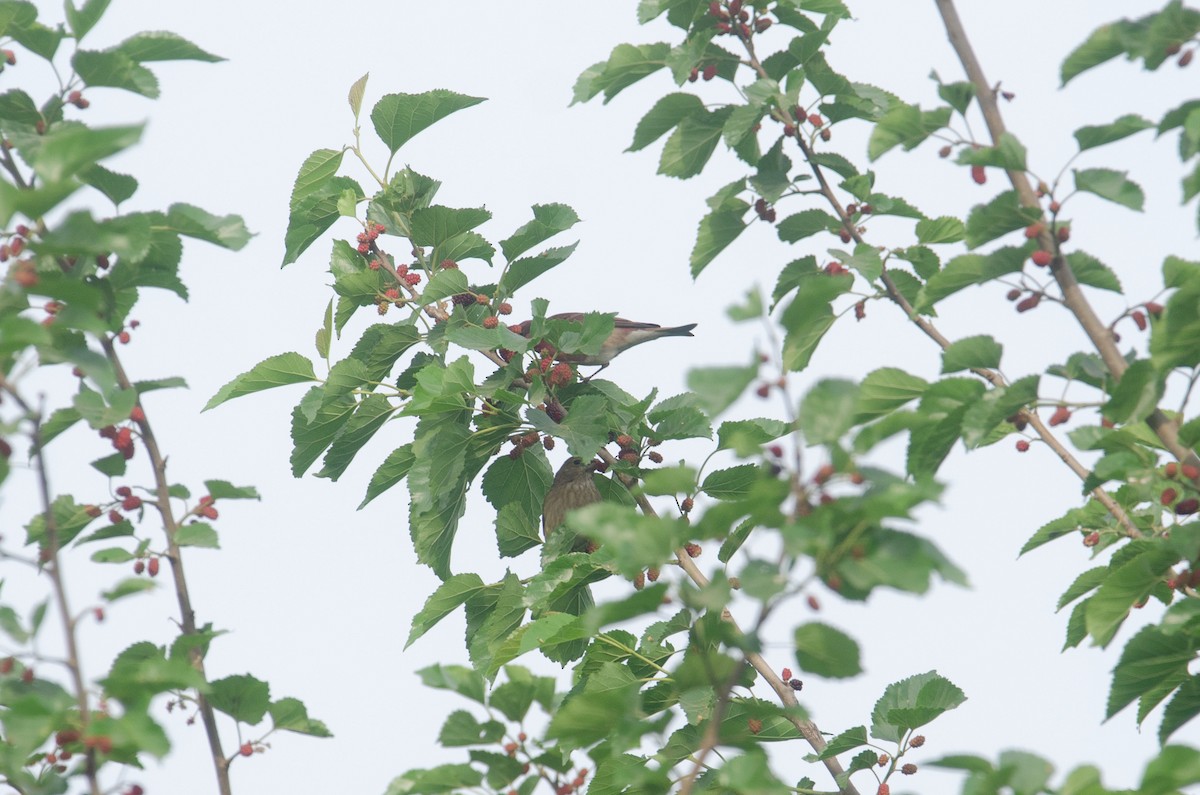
[625,334]
[573,488]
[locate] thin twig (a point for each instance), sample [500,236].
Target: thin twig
[1073,297]
[186,613]
[783,690]
[53,567]
[989,375]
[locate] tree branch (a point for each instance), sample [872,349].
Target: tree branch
[1073,297]
[783,690]
[52,564]
[187,615]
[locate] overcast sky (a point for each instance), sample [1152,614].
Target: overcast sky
[319,597]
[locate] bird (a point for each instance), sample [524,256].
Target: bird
[625,334]
[572,488]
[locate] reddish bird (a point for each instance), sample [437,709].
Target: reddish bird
[625,334]
[573,488]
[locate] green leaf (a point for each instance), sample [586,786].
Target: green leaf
[1009,154]
[626,65]
[128,587]
[825,651]
[1090,137]
[224,490]
[548,221]
[692,144]
[805,224]
[1071,522]
[437,482]
[399,117]
[835,163]
[161,45]
[313,213]
[828,410]
[717,230]
[905,125]
[1085,583]
[1172,339]
[1001,215]
[1103,45]
[1152,663]
[227,231]
[280,370]
[371,413]
[290,714]
[719,387]
[966,270]
[243,698]
[980,351]
[584,429]
[1131,580]
[810,313]
[912,703]
[670,480]
[117,187]
[1175,768]
[17,106]
[740,124]
[666,114]
[846,741]
[745,437]
[956,95]
[114,69]
[1181,709]
[946,229]
[66,150]
[84,18]
[1136,395]
[885,390]
[445,283]
[461,729]
[995,405]
[33,202]
[317,169]
[355,97]
[734,483]
[197,534]
[434,225]
[524,270]
[448,597]
[143,669]
[1111,185]
[607,698]
[1091,271]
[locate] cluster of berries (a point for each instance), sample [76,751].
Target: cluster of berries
[764,210]
[1170,495]
[367,237]
[77,99]
[639,582]
[523,441]
[23,272]
[68,742]
[122,439]
[1184,579]
[1173,48]
[763,390]
[631,451]
[150,565]
[734,20]
[801,116]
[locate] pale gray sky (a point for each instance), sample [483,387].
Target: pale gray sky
[319,597]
